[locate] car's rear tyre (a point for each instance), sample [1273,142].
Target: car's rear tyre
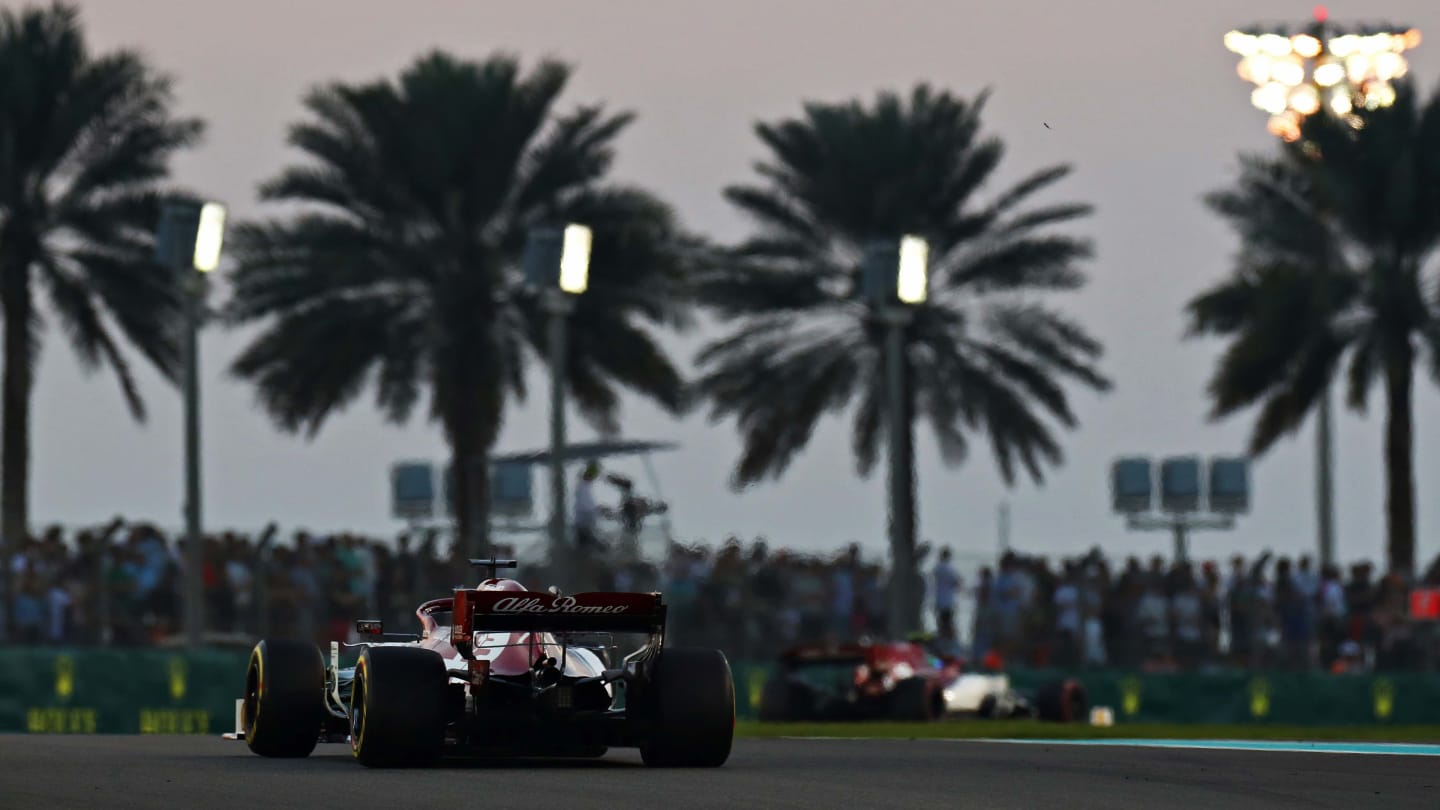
[284,698]
[397,707]
[689,705]
[1062,702]
[916,700]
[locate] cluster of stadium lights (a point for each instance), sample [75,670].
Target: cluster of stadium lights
[1300,75]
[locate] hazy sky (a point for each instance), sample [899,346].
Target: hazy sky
[1140,95]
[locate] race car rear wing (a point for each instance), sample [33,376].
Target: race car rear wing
[529,611]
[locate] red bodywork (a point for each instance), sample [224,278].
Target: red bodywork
[879,665]
[899,680]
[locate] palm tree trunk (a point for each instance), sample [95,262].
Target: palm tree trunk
[470,449]
[15,436]
[480,501]
[910,508]
[1400,465]
[462,448]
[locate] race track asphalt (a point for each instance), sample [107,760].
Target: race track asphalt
[58,772]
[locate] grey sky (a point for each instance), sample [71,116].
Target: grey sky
[1139,94]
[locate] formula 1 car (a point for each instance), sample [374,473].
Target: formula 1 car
[497,670]
[863,681]
[902,681]
[985,691]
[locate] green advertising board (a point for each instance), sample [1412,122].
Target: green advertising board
[104,691]
[108,691]
[1282,698]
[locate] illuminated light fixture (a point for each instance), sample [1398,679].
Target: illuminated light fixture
[1284,126]
[1329,74]
[1272,98]
[1321,70]
[1288,72]
[1379,94]
[913,282]
[1305,45]
[1340,102]
[1305,99]
[1256,68]
[1343,46]
[209,237]
[1242,43]
[1275,45]
[575,259]
[1357,68]
[1389,66]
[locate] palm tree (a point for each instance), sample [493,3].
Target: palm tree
[983,355]
[85,139]
[402,268]
[1337,235]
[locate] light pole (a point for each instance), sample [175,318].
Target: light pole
[896,277]
[1327,70]
[1003,525]
[557,262]
[188,241]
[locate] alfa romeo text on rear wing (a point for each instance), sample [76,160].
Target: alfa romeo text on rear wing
[532,612]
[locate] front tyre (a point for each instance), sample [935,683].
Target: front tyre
[284,698]
[397,707]
[690,703]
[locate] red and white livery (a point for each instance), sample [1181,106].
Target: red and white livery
[498,670]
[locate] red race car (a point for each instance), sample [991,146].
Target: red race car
[891,680]
[497,670]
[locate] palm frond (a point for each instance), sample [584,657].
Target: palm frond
[777,388]
[299,388]
[404,262]
[74,303]
[802,344]
[86,140]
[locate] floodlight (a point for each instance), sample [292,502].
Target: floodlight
[1305,100]
[1305,45]
[575,259]
[209,237]
[1329,74]
[912,282]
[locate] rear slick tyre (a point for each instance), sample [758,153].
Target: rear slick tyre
[284,703]
[916,701]
[690,703]
[1062,702]
[397,707]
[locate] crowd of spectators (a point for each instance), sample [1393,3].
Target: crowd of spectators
[122,585]
[1260,613]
